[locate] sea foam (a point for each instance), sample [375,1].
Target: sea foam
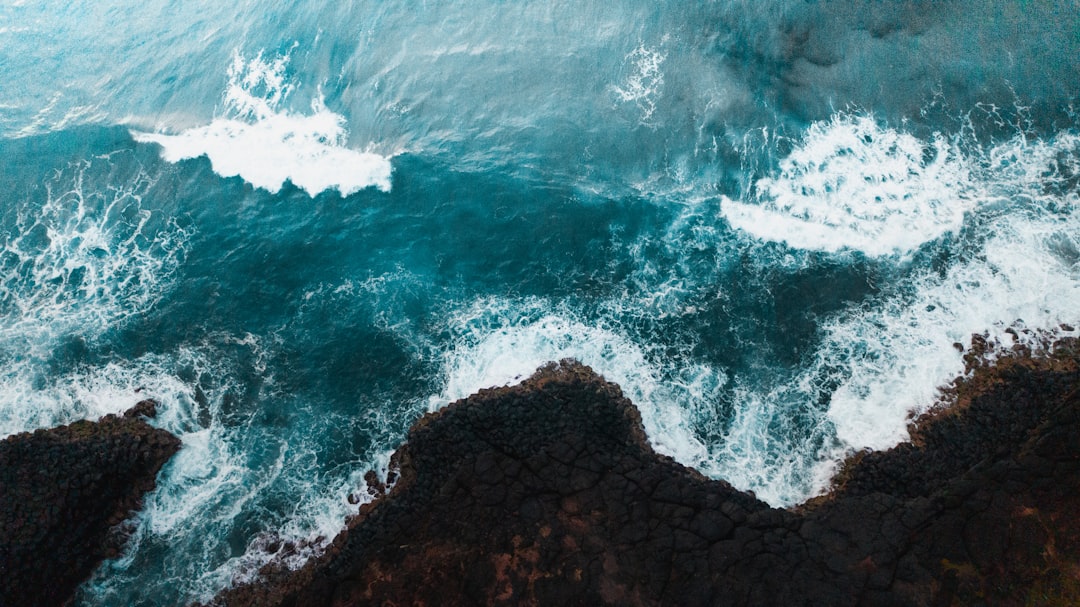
[881,362]
[215,483]
[644,81]
[851,183]
[498,342]
[1026,274]
[265,144]
[85,258]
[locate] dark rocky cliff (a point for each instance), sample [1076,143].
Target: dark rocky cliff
[548,493]
[64,494]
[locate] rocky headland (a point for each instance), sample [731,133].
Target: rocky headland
[548,493]
[64,496]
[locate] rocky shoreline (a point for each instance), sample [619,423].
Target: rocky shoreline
[548,493]
[64,496]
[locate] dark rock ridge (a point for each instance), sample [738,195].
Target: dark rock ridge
[548,493]
[64,494]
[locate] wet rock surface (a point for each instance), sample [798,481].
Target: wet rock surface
[64,495]
[548,493]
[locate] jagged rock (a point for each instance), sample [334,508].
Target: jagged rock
[64,493]
[547,493]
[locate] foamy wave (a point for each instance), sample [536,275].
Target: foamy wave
[854,184]
[901,353]
[775,445]
[29,399]
[84,260]
[881,363]
[1014,262]
[1026,272]
[767,450]
[233,471]
[265,145]
[194,481]
[502,342]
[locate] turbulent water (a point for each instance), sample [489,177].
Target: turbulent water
[300,226]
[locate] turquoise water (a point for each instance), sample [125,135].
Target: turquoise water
[300,227]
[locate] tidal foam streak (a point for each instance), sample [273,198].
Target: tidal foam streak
[1027,274]
[265,144]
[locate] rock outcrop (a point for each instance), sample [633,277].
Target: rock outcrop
[547,493]
[64,495]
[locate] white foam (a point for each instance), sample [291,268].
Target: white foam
[219,475]
[883,361]
[773,446]
[83,261]
[27,403]
[500,342]
[205,474]
[1016,261]
[1027,271]
[852,183]
[265,144]
[318,517]
[644,81]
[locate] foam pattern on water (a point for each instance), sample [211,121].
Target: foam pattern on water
[232,466]
[687,120]
[853,184]
[644,81]
[264,143]
[881,362]
[1025,272]
[501,342]
[84,259]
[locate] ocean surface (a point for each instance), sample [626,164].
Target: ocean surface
[301,225]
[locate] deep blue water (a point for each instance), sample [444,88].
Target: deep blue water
[301,226]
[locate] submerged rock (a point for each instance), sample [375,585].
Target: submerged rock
[64,494]
[548,493]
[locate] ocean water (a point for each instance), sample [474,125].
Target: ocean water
[301,226]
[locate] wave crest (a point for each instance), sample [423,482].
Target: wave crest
[265,144]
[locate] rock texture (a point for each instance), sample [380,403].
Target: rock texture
[547,493]
[64,493]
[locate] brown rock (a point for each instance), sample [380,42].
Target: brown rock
[547,493]
[62,493]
